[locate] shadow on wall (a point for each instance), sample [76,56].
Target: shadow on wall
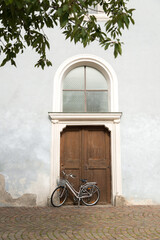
[26,200]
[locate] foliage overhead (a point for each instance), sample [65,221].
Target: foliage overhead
[23,22]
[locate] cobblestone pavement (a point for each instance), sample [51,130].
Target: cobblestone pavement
[98,222]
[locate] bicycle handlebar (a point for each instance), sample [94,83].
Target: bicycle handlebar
[72,176]
[68,175]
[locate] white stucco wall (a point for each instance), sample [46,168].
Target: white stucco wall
[139,101]
[26,98]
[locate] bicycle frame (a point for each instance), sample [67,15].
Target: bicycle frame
[72,189]
[79,194]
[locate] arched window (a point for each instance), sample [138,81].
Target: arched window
[85,89]
[85,83]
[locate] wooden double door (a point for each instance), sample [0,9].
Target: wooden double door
[85,152]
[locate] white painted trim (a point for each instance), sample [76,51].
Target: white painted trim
[55,117]
[88,60]
[109,120]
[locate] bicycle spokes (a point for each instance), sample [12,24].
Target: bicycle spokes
[59,196]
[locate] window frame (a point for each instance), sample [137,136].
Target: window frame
[92,61]
[85,90]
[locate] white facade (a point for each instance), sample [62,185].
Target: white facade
[27,95]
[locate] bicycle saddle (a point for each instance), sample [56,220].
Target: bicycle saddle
[83,180]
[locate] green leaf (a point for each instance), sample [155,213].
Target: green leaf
[3,62]
[64,19]
[48,63]
[49,22]
[65,7]
[133,22]
[126,21]
[7,2]
[115,50]
[59,11]
[131,10]
[106,46]
[19,4]
[13,62]
[119,49]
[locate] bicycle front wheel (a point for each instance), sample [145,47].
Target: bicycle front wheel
[59,196]
[93,193]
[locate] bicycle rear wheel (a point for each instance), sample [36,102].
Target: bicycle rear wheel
[59,196]
[94,191]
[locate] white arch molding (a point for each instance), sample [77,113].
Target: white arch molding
[110,120]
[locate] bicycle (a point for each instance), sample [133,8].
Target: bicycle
[88,192]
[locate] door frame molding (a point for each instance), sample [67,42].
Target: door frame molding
[110,120]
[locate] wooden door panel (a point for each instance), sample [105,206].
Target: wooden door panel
[85,152]
[96,161]
[95,145]
[99,175]
[71,148]
[70,156]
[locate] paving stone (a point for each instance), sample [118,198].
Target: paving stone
[85,223]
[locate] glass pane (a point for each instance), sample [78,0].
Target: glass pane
[73,101]
[74,79]
[95,79]
[97,101]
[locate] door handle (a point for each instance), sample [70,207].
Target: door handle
[86,167]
